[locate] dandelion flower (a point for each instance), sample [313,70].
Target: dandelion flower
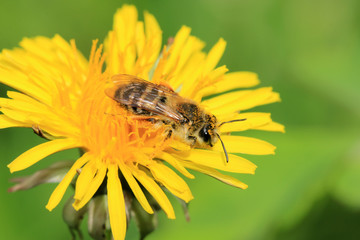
[62,95]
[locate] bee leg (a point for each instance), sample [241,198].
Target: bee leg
[159,146]
[169,134]
[142,118]
[193,140]
[152,120]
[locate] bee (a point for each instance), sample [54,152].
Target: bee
[161,105]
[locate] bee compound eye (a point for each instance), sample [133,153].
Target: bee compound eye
[204,134]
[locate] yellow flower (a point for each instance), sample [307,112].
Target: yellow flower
[63,94]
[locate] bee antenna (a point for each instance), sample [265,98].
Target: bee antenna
[235,120]
[222,143]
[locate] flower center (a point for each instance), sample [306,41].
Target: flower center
[111,133]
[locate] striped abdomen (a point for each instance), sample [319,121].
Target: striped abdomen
[141,98]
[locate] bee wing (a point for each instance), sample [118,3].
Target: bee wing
[121,79]
[138,93]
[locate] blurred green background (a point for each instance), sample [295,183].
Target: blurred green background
[309,51]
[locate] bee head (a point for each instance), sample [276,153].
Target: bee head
[208,132]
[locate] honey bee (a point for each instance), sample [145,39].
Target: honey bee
[161,105]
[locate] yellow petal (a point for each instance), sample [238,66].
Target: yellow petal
[20,82]
[246,145]
[204,84]
[135,188]
[175,163]
[215,174]
[178,145]
[155,191]
[19,97]
[152,26]
[140,38]
[52,61]
[125,21]
[59,191]
[179,40]
[252,99]
[23,106]
[148,45]
[175,184]
[189,74]
[201,70]
[40,46]
[124,50]
[153,34]
[6,122]
[214,55]
[92,187]
[224,99]
[41,151]
[217,74]
[272,126]
[117,213]
[217,160]
[191,46]
[111,48]
[232,81]
[44,63]
[83,181]
[21,116]
[52,124]
[275,97]
[252,121]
